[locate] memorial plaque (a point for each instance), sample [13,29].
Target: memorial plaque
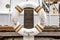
[28,18]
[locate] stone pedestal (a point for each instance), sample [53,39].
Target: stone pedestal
[28,38]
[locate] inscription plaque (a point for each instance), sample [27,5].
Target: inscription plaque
[28,18]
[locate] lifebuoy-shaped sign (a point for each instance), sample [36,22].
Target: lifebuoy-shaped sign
[20,27]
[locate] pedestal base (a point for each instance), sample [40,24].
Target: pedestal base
[28,38]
